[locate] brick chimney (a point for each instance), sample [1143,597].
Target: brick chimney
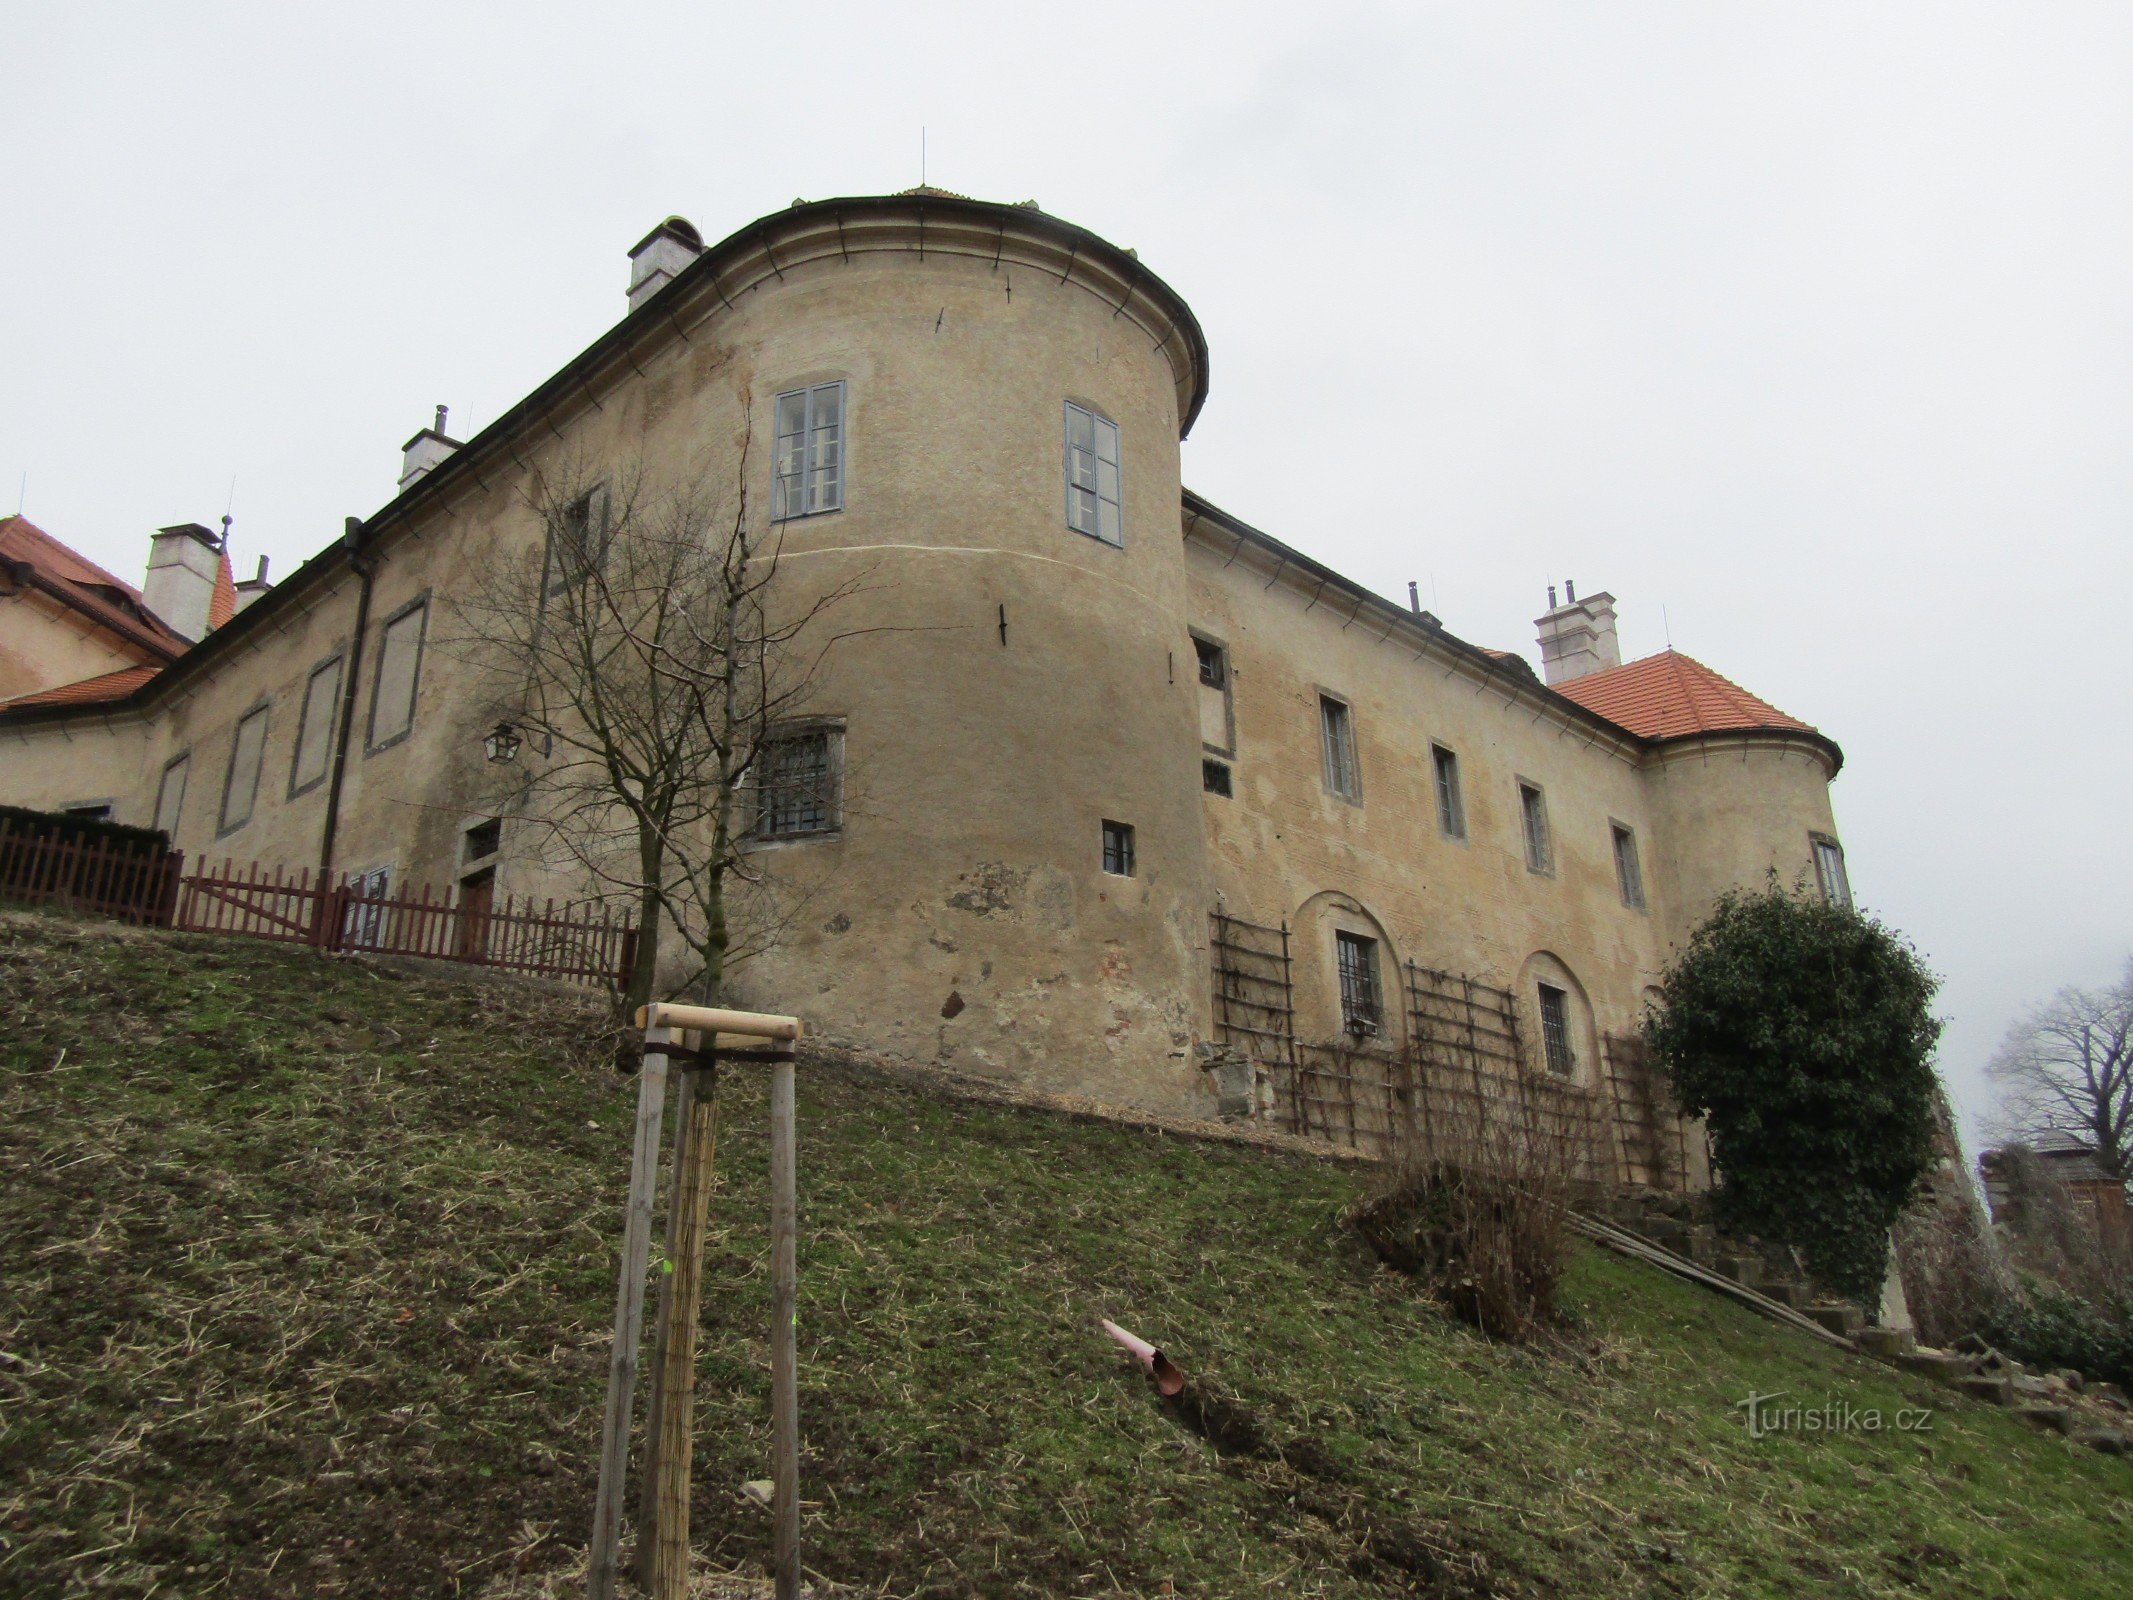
[427,450]
[658,258]
[180,586]
[1578,636]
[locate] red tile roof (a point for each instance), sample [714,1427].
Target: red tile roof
[88,691]
[79,583]
[222,604]
[1671,696]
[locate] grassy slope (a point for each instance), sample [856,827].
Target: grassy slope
[305,1269]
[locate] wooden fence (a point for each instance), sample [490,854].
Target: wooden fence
[112,877]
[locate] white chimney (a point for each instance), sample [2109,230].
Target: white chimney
[658,258]
[428,449]
[1578,636]
[180,586]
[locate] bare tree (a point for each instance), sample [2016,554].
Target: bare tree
[2068,1068]
[658,676]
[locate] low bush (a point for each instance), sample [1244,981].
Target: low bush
[2047,1326]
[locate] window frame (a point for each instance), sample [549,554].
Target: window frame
[1817,844]
[1227,668]
[1119,845]
[598,505]
[809,431]
[1560,1034]
[181,762]
[831,730]
[372,744]
[1226,786]
[1629,869]
[1098,422]
[224,827]
[1539,851]
[1450,797]
[338,662]
[1361,984]
[1353,794]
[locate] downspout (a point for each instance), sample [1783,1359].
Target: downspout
[365,569]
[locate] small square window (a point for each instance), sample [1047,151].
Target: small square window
[1337,737]
[799,791]
[1533,814]
[1555,1031]
[1451,804]
[1118,849]
[1362,1004]
[484,838]
[1629,877]
[1214,777]
[1214,670]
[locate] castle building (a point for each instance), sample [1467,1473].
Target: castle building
[1097,730]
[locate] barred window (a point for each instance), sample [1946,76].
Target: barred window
[797,792]
[1628,874]
[1214,776]
[1362,1005]
[1118,849]
[809,455]
[1092,483]
[1555,1030]
[1451,805]
[1829,870]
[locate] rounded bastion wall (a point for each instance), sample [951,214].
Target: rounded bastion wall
[1003,684]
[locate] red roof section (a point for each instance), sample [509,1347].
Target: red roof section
[88,691]
[222,604]
[75,580]
[1671,696]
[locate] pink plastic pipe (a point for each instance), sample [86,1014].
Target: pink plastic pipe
[1168,1379]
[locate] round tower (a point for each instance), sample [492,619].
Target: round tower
[965,419]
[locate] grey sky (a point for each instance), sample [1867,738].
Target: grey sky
[1808,328]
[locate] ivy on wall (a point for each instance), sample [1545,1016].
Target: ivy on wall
[1802,1033]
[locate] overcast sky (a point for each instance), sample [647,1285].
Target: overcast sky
[1805,330]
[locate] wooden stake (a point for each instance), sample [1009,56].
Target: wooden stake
[629,1318]
[784,1367]
[672,1423]
[648,1489]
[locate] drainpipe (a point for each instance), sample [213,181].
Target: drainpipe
[365,569]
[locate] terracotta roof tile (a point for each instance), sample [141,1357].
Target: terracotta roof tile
[222,604]
[1671,696]
[80,583]
[88,691]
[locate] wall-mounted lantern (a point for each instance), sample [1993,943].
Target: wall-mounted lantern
[501,742]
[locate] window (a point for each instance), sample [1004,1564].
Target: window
[798,792]
[483,839]
[1555,1030]
[170,795]
[809,459]
[1214,777]
[577,540]
[314,727]
[1214,670]
[1628,875]
[363,919]
[1337,731]
[1451,806]
[1092,502]
[241,787]
[1829,870]
[1118,849]
[88,810]
[1362,1006]
[392,700]
[1533,812]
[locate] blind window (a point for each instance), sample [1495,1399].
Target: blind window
[170,796]
[1533,810]
[809,453]
[392,705]
[1092,492]
[242,787]
[314,727]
